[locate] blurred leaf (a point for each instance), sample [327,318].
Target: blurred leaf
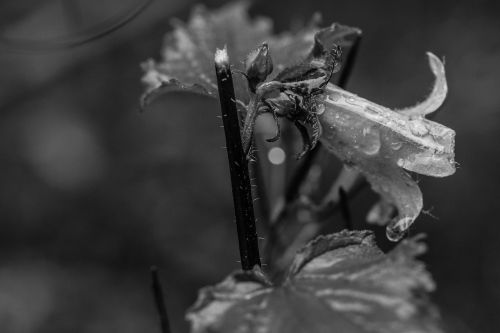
[337,283]
[188,54]
[380,143]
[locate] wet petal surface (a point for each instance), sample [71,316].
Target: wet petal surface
[380,143]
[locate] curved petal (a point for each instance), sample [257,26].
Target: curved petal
[417,144]
[438,94]
[380,143]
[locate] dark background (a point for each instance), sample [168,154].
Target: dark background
[92,192]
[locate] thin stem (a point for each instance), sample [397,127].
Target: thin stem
[238,167]
[300,174]
[260,187]
[159,300]
[331,204]
[344,208]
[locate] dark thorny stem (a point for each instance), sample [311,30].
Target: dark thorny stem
[238,167]
[261,189]
[300,175]
[159,300]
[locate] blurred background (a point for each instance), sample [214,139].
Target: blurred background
[92,192]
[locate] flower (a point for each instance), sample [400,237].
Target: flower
[382,143]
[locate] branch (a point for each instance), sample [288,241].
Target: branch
[238,167]
[159,301]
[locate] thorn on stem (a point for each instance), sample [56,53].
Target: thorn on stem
[238,165]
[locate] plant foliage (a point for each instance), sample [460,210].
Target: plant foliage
[382,144]
[340,282]
[336,283]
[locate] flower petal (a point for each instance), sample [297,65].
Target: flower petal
[415,144]
[438,94]
[380,143]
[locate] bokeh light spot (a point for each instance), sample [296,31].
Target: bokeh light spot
[276,156]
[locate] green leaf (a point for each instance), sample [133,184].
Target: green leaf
[337,283]
[187,55]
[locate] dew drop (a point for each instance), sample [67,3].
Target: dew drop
[370,144]
[396,145]
[418,128]
[333,96]
[396,229]
[351,100]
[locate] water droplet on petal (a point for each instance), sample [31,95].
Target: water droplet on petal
[396,145]
[418,128]
[333,96]
[370,144]
[351,100]
[397,228]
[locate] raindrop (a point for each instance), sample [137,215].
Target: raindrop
[396,145]
[371,141]
[418,128]
[396,230]
[333,96]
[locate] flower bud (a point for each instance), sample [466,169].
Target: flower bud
[258,65]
